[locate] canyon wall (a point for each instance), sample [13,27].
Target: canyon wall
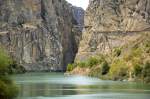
[112,23]
[39,33]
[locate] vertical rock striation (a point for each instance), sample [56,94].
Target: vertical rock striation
[39,33]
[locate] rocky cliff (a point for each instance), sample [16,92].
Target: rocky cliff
[116,41]
[112,23]
[78,14]
[39,33]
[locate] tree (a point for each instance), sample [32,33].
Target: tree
[7,88]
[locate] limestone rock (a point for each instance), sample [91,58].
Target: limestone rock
[78,14]
[38,33]
[112,23]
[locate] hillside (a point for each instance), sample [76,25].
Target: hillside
[130,62]
[115,26]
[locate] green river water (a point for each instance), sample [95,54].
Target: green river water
[60,86]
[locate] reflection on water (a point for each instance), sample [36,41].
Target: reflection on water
[56,85]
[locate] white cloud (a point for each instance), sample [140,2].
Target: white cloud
[79,3]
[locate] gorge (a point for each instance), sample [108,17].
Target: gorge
[46,35]
[52,49]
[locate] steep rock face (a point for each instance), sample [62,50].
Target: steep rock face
[112,23]
[38,33]
[113,15]
[78,14]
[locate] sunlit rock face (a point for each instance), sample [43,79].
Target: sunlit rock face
[112,15]
[112,23]
[38,33]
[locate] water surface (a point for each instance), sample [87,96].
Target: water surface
[60,86]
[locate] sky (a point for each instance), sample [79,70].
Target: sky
[79,3]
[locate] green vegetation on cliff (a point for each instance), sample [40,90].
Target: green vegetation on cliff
[128,62]
[7,88]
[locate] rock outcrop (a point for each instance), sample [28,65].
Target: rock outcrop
[39,33]
[112,23]
[78,14]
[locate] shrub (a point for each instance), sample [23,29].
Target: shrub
[92,61]
[147,47]
[70,67]
[82,64]
[14,67]
[146,72]
[7,88]
[95,72]
[105,68]
[5,61]
[117,52]
[137,70]
[135,53]
[118,70]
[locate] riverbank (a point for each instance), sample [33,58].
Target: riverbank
[130,62]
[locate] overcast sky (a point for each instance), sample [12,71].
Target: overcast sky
[79,3]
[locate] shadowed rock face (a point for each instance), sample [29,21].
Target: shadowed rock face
[112,23]
[78,14]
[38,33]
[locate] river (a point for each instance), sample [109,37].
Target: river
[60,86]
